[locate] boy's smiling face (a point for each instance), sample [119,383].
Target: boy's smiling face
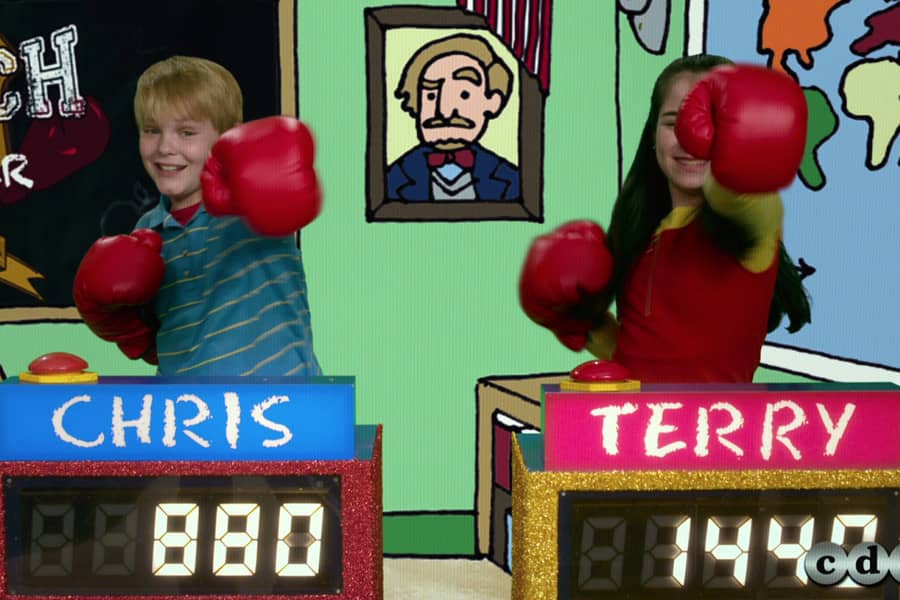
[173,149]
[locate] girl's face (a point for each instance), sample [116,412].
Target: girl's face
[684,172]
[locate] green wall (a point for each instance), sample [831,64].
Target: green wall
[638,70]
[418,312]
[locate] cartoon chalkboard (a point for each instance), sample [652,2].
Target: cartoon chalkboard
[69,165]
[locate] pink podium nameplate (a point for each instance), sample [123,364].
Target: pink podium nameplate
[742,428]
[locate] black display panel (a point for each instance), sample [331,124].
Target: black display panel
[173,535]
[719,545]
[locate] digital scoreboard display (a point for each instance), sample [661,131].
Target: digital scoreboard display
[173,535]
[724,545]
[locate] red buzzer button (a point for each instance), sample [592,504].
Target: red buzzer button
[57,362]
[600,376]
[600,370]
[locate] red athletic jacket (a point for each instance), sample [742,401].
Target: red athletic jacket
[690,312]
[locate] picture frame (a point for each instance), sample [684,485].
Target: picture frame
[393,37]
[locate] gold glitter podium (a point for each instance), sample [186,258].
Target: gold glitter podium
[732,530]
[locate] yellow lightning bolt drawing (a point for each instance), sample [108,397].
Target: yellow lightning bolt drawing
[15,273]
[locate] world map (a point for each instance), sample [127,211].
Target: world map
[870,88]
[841,213]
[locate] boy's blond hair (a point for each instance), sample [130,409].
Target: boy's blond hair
[194,88]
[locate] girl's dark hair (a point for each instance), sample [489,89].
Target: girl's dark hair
[645,200]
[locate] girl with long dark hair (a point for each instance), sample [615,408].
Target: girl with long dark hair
[694,257]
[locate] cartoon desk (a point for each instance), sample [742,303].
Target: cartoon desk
[505,405]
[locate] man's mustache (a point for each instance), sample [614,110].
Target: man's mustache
[452,121]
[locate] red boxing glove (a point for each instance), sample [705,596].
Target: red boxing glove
[749,122]
[116,282]
[565,274]
[263,171]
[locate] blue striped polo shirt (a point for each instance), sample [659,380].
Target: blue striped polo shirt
[232,302]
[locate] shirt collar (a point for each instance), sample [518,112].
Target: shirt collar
[159,215]
[679,217]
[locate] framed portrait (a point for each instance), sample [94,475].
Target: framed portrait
[455,121]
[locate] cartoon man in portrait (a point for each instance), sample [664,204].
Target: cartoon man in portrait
[453,87]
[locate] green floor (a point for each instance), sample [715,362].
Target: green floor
[429,534]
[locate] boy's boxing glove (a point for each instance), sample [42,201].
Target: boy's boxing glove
[115,285]
[749,122]
[263,171]
[565,275]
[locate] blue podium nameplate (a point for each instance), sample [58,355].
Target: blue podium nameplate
[158,418]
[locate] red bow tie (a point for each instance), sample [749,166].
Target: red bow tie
[465,158]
